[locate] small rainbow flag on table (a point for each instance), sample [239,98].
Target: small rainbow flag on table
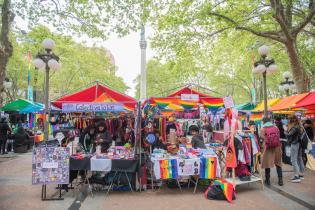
[168,169]
[208,168]
[213,104]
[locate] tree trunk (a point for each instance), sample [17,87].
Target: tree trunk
[6,48]
[300,77]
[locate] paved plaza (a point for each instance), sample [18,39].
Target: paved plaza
[17,193]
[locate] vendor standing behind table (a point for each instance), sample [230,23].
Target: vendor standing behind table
[103,137]
[87,138]
[197,140]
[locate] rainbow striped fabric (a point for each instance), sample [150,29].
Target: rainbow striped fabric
[213,104]
[187,105]
[227,188]
[256,116]
[168,169]
[208,168]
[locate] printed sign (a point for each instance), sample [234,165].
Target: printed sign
[50,165]
[188,167]
[92,107]
[228,102]
[189,97]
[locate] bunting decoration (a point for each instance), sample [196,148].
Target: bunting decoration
[187,105]
[208,168]
[168,169]
[213,104]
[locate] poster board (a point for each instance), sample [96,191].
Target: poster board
[50,165]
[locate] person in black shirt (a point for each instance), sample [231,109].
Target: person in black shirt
[103,137]
[4,130]
[197,140]
[87,138]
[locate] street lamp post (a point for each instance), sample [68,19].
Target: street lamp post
[47,61]
[287,84]
[264,66]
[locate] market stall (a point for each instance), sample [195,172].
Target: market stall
[99,127]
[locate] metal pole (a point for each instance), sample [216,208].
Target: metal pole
[143,81]
[46,123]
[265,95]
[287,92]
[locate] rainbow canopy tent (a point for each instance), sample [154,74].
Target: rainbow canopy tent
[308,102]
[186,99]
[288,103]
[271,102]
[97,93]
[22,106]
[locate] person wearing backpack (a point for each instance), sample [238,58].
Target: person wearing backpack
[293,134]
[272,154]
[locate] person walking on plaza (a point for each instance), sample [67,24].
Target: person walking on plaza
[293,134]
[4,131]
[271,156]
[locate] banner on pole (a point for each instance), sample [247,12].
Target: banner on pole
[92,107]
[30,93]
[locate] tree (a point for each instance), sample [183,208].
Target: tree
[81,65]
[5,44]
[275,20]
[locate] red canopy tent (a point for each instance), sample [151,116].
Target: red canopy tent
[187,90]
[97,93]
[307,102]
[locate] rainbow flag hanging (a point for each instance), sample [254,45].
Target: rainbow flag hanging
[162,104]
[187,105]
[213,104]
[226,187]
[168,169]
[208,168]
[256,116]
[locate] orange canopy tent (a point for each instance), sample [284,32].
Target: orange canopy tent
[97,93]
[288,103]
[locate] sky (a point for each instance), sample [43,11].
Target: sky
[127,54]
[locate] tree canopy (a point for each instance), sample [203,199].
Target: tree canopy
[81,65]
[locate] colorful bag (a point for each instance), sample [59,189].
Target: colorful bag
[272,135]
[220,189]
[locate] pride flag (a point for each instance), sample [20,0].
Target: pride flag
[226,187]
[256,116]
[213,104]
[208,168]
[162,103]
[187,105]
[168,169]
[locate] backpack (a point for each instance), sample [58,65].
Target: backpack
[272,137]
[215,191]
[303,138]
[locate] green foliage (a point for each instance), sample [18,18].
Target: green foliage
[214,41]
[94,18]
[81,65]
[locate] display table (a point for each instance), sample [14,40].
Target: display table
[120,167]
[80,164]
